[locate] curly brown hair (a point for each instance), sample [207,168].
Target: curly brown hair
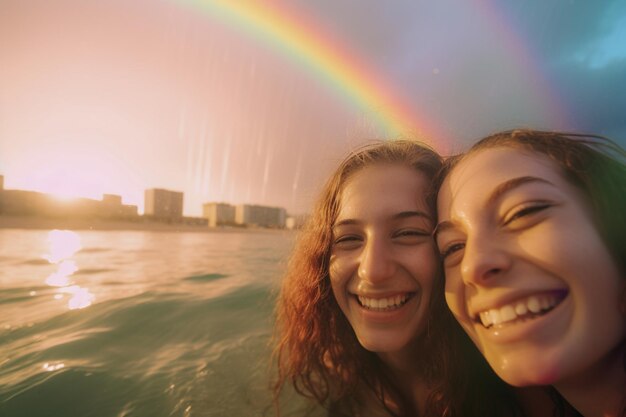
[316,349]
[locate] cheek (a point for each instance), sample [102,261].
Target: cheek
[339,272]
[426,267]
[432,282]
[455,305]
[455,297]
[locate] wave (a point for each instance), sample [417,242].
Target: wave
[205,277]
[172,331]
[152,354]
[35,262]
[90,271]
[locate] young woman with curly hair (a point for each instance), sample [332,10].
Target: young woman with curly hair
[362,327]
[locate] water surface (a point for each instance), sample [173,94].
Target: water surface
[137,323]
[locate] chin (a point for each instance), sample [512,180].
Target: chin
[529,380]
[378,345]
[523,374]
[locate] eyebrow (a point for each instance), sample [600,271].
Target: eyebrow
[499,191]
[397,216]
[507,186]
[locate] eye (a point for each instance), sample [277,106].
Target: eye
[451,249]
[525,210]
[411,233]
[410,236]
[347,241]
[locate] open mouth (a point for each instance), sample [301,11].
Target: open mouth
[528,308]
[384,304]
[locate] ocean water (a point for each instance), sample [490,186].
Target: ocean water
[137,323]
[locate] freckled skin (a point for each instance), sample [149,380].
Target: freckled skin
[506,250]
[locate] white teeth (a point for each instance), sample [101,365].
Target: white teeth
[485,317]
[511,312]
[383,303]
[533,305]
[521,309]
[507,313]
[495,316]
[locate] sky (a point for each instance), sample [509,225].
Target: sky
[256,102]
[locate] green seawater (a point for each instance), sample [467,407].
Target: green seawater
[138,323]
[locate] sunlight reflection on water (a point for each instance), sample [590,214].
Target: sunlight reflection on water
[64,244]
[179,321]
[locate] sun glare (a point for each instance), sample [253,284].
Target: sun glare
[63,245]
[75,171]
[69,184]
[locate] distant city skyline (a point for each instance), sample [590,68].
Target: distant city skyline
[165,206]
[256,103]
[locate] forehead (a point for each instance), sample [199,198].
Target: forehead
[480,172]
[385,187]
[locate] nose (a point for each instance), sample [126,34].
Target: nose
[377,262]
[484,260]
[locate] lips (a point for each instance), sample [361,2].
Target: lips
[384,303]
[521,309]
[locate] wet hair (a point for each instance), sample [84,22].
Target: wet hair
[317,351]
[594,164]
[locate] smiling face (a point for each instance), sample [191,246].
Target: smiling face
[383,261]
[527,274]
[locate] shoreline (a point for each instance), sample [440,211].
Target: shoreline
[39,223]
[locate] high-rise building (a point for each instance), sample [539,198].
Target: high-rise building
[112,207]
[112,199]
[263,216]
[33,203]
[296,221]
[164,204]
[218,214]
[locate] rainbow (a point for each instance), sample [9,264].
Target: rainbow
[301,41]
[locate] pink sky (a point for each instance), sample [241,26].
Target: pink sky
[119,96]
